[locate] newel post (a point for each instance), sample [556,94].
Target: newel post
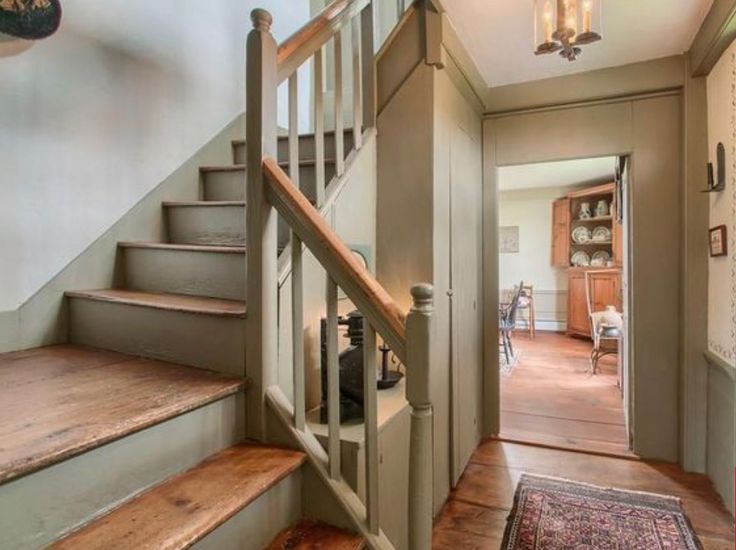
[418,334]
[261,221]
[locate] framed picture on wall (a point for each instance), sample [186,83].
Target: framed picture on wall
[508,239]
[718,242]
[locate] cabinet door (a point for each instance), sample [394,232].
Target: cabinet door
[561,233]
[617,235]
[577,306]
[605,290]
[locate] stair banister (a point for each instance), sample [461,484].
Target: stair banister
[270,191]
[301,45]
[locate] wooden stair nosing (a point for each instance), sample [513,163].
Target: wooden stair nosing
[214,248]
[50,372]
[183,509]
[165,301]
[310,534]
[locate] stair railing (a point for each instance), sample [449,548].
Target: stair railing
[271,192]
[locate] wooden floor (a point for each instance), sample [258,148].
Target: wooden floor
[551,398]
[475,515]
[58,401]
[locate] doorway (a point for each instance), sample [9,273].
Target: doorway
[562,286]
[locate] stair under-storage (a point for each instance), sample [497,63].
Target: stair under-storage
[132,435]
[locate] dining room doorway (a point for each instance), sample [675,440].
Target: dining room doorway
[562,257]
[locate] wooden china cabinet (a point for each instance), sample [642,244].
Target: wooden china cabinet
[605,280]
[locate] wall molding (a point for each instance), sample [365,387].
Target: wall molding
[715,360]
[714,37]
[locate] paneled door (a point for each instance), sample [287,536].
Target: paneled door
[466,317]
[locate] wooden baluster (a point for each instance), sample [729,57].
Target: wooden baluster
[368,66]
[333,382]
[297,289]
[297,313]
[418,334]
[339,123]
[370,414]
[357,85]
[294,128]
[261,262]
[319,129]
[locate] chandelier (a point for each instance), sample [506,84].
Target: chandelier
[565,25]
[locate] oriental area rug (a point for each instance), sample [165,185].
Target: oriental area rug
[555,514]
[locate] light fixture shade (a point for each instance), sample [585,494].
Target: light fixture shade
[565,25]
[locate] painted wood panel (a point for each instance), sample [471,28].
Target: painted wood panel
[593,131]
[721,429]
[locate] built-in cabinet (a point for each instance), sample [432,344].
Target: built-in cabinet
[604,277]
[605,290]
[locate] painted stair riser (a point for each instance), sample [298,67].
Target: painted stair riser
[37,509]
[213,342]
[229,185]
[218,225]
[259,522]
[210,274]
[307,149]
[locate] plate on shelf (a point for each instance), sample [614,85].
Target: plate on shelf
[601,234]
[600,258]
[581,235]
[580,259]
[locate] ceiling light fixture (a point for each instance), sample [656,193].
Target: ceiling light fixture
[556,26]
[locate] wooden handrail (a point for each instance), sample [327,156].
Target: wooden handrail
[301,45]
[360,286]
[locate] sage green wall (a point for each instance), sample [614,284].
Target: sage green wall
[421,105]
[650,129]
[636,78]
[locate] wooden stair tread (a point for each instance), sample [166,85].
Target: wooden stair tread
[162,300]
[241,167]
[186,247]
[59,401]
[167,204]
[183,509]
[315,535]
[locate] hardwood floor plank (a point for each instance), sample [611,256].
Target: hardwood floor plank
[565,428]
[566,443]
[552,398]
[185,508]
[59,401]
[490,481]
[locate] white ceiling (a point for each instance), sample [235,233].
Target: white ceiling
[499,34]
[556,174]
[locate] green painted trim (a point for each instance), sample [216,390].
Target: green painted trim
[715,35]
[717,361]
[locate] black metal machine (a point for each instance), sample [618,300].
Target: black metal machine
[351,369]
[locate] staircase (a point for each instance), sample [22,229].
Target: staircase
[135,434]
[184,300]
[116,441]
